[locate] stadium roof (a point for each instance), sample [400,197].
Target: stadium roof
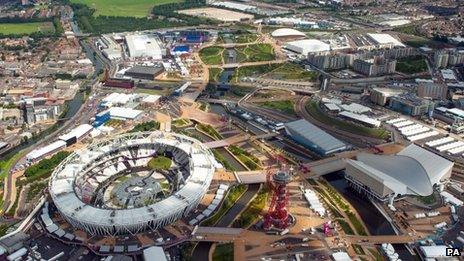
[386,39]
[315,135]
[413,170]
[307,46]
[142,45]
[284,32]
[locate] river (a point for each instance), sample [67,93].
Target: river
[374,220]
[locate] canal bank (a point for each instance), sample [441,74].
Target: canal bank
[375,222]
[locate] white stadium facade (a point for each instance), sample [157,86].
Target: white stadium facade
[75,185]
[413,171]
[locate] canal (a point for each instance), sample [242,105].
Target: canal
[374,220]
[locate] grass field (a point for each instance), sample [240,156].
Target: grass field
[291,71]
[255,53]
[212,55]
[160,163]
[224,252]
[313,109]
[411,65]
[26,28]
[134,8]
[286,106]
[253,71]
[214,74]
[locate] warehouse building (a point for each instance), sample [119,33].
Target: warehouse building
[144,72]
[43,152]
[313,138]
[413,171]
[76,134]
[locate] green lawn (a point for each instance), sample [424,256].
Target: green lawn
[255,53]
[291,71]
[134,8]
[44,168]
[313,109]
[212,55]
[7,164]
[411,65]
[345,226]
[251,214]
[253,71]
[245,157]
[286,106]
[159,163]
[224,252]
[214,74]
[146,126]
[26,28]
[210,130]
[232,196]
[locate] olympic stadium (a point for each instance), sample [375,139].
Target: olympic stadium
[108,188]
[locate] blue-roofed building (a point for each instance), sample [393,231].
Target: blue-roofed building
[313,138]
[195,36]
[181,49]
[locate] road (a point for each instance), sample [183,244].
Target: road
[201,251]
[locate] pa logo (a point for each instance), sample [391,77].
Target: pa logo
[451,251]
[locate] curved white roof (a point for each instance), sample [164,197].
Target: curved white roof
[414,170]
[307,46]
[283,32]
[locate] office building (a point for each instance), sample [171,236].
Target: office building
[411,105]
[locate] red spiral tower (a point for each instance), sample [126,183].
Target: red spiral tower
[278,216]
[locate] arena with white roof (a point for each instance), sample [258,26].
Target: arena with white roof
[76,183]
[413,171]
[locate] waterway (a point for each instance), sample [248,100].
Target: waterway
[374,220]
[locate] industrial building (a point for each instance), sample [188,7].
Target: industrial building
[412,171]
[76,134]
[43,152]
[144,72]
[76,185]
[313,138]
